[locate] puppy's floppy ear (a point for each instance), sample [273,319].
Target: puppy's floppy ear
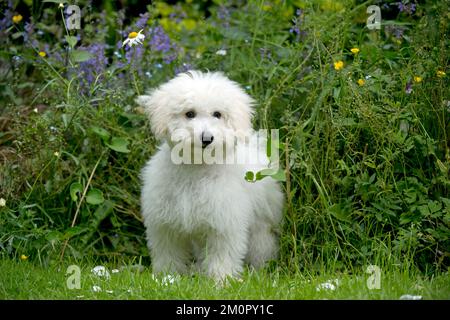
[240,117]
[154,105]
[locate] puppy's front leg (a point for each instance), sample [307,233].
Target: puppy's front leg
[225,252]
[169,251]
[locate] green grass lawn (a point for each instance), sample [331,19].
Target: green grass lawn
[25,280]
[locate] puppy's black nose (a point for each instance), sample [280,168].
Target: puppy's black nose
[207,139]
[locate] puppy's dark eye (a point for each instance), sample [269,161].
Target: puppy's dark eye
[217,114]
[190,114]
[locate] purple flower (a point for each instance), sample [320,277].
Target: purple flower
[409,8]
[134,56]
[89,70]
[142,21]
[120,18]
[408,88]
[265,53]
[169,58]
[6,22]
[178,13]
[29,28]
[159,40]
[397,31]
[297,21]
[183,68]
[223,15]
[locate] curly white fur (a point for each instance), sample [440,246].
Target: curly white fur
[205,213]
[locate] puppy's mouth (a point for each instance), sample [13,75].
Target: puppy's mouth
[204,145]
[207,139]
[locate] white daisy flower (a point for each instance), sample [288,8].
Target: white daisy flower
[134,38]
[96,289]
[221,52]
[101,272]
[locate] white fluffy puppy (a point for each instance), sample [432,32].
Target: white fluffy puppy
[202,212]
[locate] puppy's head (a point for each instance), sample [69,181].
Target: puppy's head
[205,108]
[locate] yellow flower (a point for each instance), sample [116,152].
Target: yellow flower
[23,257]
[338,65]
[417,79]
[354,50]
[42,54]
[440,73]
[17,18]
[361,82]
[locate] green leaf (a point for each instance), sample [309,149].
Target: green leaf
[16,35]
[71,40]
[102,133]
[267,172]
[250,176]
[54,235]
[80,55]
[434,206]
[279,176]
[95,196]
[336,93]
[424,210]
[102,212]
[340,211]
[74,188]
[73,231]
[118,144]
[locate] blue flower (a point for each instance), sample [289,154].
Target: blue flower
[91,69]
[142,21]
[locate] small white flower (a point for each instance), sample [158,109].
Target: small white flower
[326,286]
[96,289]
[109,291]
[2,202]
[410,297]
[101,272]
[169,279]
[329,285]
[35,110]
[221,52]
[134,38]
[56,154]
[115,270]
[61,5]
[166,280]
